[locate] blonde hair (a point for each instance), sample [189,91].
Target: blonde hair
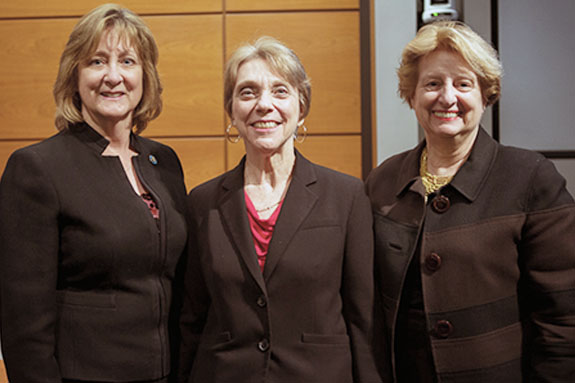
[281,60]
[82,43]
[460,39]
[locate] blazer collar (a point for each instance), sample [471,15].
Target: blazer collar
[298,202]
[96,141]
[469,178]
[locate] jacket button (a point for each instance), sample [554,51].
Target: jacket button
[261,301]
[440,204]
[443,328]
[263,345]
[433,262]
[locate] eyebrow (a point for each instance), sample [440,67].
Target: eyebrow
[246,83]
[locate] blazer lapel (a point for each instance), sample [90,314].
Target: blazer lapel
[298,203]
[232,208]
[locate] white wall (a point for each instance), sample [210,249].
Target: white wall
[395,24]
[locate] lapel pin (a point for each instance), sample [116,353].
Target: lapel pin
[153,159]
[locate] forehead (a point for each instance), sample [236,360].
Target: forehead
[115,39]
[258,70]
[444,63]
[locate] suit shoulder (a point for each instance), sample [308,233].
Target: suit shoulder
[157,147]
[51,148]
[525,163]
[208,189]
[516,155]
[389,165]
[335,176]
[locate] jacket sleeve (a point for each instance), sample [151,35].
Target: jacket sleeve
[547,252]
[196,300]
[28,269]
[358,287]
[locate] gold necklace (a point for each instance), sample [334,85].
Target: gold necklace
[269,207]
[431,182]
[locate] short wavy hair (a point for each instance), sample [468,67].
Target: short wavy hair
[83,42]
[281,60]
[457,37]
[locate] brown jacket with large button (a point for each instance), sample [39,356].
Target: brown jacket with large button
[497,261]
[308,316]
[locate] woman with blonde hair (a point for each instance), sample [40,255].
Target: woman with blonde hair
[93,220]
[475,241]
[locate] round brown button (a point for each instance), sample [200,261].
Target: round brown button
[440,204]
[261,301]
[263,345]
[433,262]
[443,328]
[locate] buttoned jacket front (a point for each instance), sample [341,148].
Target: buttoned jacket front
[497,263]
[86,272]
[307,317]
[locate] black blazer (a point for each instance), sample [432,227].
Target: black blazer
[307,317]
[85,271]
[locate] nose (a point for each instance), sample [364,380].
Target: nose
[113,76]
[448,94]
[265,102]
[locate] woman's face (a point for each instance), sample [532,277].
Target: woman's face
[110,82]
[447,99]
[265,108]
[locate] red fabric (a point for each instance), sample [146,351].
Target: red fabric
[262,229]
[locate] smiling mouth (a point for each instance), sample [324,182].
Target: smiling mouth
[446,115]
[265,124]
[112,94]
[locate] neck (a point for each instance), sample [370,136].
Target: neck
[272,170]
[445,156]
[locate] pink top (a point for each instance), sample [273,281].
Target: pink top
[262,229]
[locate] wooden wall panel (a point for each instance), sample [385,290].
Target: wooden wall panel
[31,53]
[3,377]
[275,5]
[190,66]
[328,45]
[43,8]
[202,158]
[342,153]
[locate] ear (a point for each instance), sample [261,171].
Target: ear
[300,122]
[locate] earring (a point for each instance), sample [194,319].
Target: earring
[229,137]
[300,138]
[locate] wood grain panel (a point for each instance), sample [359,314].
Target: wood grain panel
[202,158]
[3,377]
[31,51]
[342,153]
[38,8]
[328,45]
[274,5]
[190,66]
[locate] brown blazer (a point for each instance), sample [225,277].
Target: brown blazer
[308,316]
[497,263]
[85,272]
